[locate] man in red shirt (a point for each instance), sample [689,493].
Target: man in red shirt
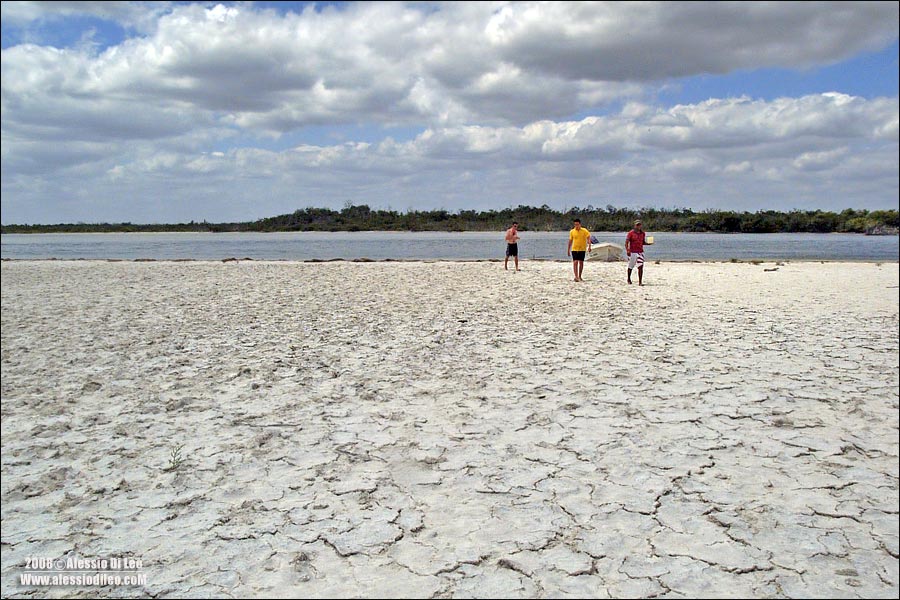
[634,248]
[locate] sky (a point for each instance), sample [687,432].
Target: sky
[152,112]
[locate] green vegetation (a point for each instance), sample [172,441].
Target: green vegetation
[363,218]
[175,458]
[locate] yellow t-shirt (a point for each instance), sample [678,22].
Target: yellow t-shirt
[579,239]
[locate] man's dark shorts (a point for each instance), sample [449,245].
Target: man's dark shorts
[578,254]
[512,249]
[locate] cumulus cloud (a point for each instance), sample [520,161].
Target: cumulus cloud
[138,15]
[396,63]
[628,41]
[752,153]
[493,86]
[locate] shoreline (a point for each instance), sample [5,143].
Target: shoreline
[231,259]
[443,231]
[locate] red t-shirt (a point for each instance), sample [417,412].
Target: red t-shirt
[637,240]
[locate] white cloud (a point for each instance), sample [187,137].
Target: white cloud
[751,153]
[639,41]
[139,15]
[819,161]
[454,63]
[494,85]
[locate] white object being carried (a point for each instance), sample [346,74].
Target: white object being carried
[649,240]
[606,252]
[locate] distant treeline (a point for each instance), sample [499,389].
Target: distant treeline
[363,218]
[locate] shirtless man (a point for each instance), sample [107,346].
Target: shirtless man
[512,246]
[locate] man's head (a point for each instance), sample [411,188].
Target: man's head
[515,225]
[577,223]
[638,225]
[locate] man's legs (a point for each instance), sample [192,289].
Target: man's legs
[506,262]
[629,275]
[517,262]
[641,275]
[580,269]
[575,269]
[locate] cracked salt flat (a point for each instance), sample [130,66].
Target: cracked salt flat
[441,430]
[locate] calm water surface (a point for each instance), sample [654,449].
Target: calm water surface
[436,245]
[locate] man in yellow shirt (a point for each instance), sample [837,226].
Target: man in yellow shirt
[579,244]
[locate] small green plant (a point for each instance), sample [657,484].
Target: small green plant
[175,458]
